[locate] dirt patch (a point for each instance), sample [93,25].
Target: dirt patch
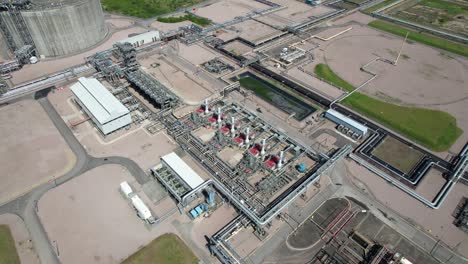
[398,154]
[33,151]
[106,210]
[431,184]
[226,10]
[295,12]
[237,48]
[416,80]
[138,145]
[438,223]
[120,22]
[23,243]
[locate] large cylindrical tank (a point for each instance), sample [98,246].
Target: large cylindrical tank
[60,28]
[3,49]
[57,27]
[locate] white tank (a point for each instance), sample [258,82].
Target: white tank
[125,188]
[143,211]
[405,261]
[33,60]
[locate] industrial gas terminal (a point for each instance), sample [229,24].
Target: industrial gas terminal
[233,131]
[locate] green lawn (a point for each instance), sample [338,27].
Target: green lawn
[326,73]
[8,254]
[146,8]
[434,129]
[421,38]
[166,249]
[449,7]
[201,21]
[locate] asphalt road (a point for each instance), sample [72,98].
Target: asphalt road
[26,206]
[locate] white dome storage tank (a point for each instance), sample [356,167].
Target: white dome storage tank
[56,27]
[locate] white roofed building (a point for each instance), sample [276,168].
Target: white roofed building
[178,167]
[142,39]
[108,113]
[351,124]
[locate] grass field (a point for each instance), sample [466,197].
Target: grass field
[201,21]
[449,7]
[326,73]
[421,38]
[397,154]
[434,129]
[146,8]
[8,254]
[166,249]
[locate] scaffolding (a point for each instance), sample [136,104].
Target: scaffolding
[127,54]
[217,66]
[159,94]
[3,86]
[24,54]
[106,67]
[13,8]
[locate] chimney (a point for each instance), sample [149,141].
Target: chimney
[219,114]
[280,162]
[233,123]
[247,135]
[262,152]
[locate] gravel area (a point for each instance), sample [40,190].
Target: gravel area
[96,223]
[33,151]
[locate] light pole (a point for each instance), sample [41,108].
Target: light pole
[56,248]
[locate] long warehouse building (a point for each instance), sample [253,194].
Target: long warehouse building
[108,113]
[351,124]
